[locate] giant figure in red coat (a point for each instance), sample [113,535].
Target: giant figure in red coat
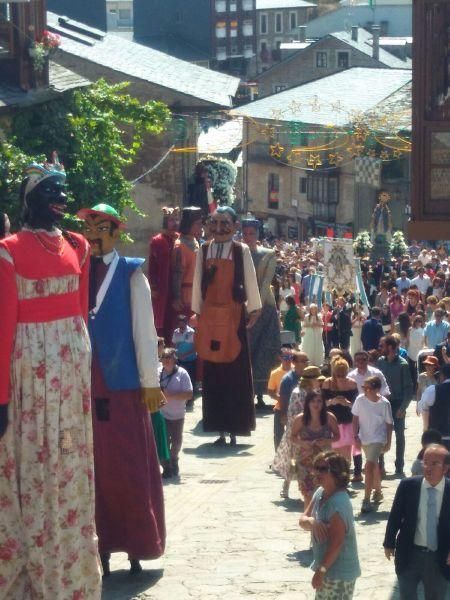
[160,273]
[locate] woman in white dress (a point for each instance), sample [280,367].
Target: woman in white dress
[357,322]
[312,342]
[415,345]
[285,291]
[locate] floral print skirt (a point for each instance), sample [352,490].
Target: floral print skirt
[48,545]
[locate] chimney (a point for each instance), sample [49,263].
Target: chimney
[355,33]
[302,33]
[376,42]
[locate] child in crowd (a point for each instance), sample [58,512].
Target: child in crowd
[372,429]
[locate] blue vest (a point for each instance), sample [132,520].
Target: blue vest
[112,333]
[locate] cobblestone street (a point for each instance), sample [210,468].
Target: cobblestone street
[231,536]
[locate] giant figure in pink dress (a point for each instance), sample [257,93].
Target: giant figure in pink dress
[48,545]
[129,504]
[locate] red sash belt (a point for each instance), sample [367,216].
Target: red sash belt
[50,308]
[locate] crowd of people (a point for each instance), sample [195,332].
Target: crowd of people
[342,389]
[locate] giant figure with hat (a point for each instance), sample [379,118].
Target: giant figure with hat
[226,297]
[183,259]
[264,336]
[48,546]
[125,386]
[160,273]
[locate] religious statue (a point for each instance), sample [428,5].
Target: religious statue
[381,228]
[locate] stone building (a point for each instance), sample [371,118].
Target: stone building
[277,21]
[333,53]
[298,169]
[190,91]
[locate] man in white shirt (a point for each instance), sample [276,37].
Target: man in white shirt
[363,370]
[422,281]
[418,529]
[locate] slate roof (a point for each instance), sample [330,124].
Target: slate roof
[60,80]
[365,45]
[270,4]
[141,62]
[334,99]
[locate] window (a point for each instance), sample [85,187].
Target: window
[273,189]
[263,23]
[293,20]
[343,60]
[233,7]
[221,53]
[247,5]
[221,6]
[221,29]
[247,28]
[278,88]
[278,22]
[124,14]
[264,54]
[323,192]
[234,49]
[321,59]
[248,51]
[233,29]
[302,185]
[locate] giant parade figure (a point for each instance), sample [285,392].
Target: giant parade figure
[183,259]
[125,386]
[225,291]
[264,336]
[160,273]
[48,546]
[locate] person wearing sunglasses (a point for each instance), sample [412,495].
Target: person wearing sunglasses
[329,518]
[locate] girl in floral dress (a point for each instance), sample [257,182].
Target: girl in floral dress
[312,433]
[48,546]
[283,461]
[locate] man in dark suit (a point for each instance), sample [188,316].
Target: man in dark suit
[372,331]
[342,326]
[418,529]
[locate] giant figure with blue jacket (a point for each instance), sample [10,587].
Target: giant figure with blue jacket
[125,386]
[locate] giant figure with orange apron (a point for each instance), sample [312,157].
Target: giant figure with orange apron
[225,291]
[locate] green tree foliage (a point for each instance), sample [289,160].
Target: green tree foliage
[97,132]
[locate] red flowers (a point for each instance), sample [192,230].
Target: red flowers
[50,40]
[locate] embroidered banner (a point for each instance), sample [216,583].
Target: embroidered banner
[339,266]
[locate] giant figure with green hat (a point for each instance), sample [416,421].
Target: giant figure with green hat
[125,386]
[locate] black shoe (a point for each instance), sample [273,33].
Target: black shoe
[220,442]
[175,468]
[135,567]
[400,473]
[232,440]
[105,564]
[167,473]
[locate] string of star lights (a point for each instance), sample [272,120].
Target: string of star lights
[297,143]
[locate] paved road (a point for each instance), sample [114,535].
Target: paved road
[231,536]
